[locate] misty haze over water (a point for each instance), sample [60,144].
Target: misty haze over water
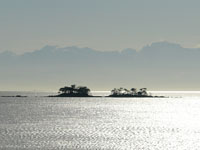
[159,66]
[111,50]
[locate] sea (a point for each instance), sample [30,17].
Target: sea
[37,122]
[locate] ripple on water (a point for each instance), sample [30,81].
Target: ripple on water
[51,123]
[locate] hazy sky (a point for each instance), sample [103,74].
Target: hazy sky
[26,25]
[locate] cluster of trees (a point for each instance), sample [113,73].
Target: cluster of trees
[132,92]
[73,90]
[83,91]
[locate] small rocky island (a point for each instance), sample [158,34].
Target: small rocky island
[83,91]
[14,96]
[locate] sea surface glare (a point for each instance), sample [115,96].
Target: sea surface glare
[43,123]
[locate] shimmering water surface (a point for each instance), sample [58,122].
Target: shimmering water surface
[101,123]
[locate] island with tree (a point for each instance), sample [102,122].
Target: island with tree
[83,91]
[123,92]
[73,91]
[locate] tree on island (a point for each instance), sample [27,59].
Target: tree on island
[74,91]
[134,91]
[142,92]
[123,92]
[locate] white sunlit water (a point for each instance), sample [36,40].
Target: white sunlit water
[46,123]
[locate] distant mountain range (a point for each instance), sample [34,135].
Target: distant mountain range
[159,66]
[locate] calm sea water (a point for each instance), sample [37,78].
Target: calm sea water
[100,123]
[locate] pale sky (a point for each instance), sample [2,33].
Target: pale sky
[26,25]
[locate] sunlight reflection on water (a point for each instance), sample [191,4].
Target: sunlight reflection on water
[101,123]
